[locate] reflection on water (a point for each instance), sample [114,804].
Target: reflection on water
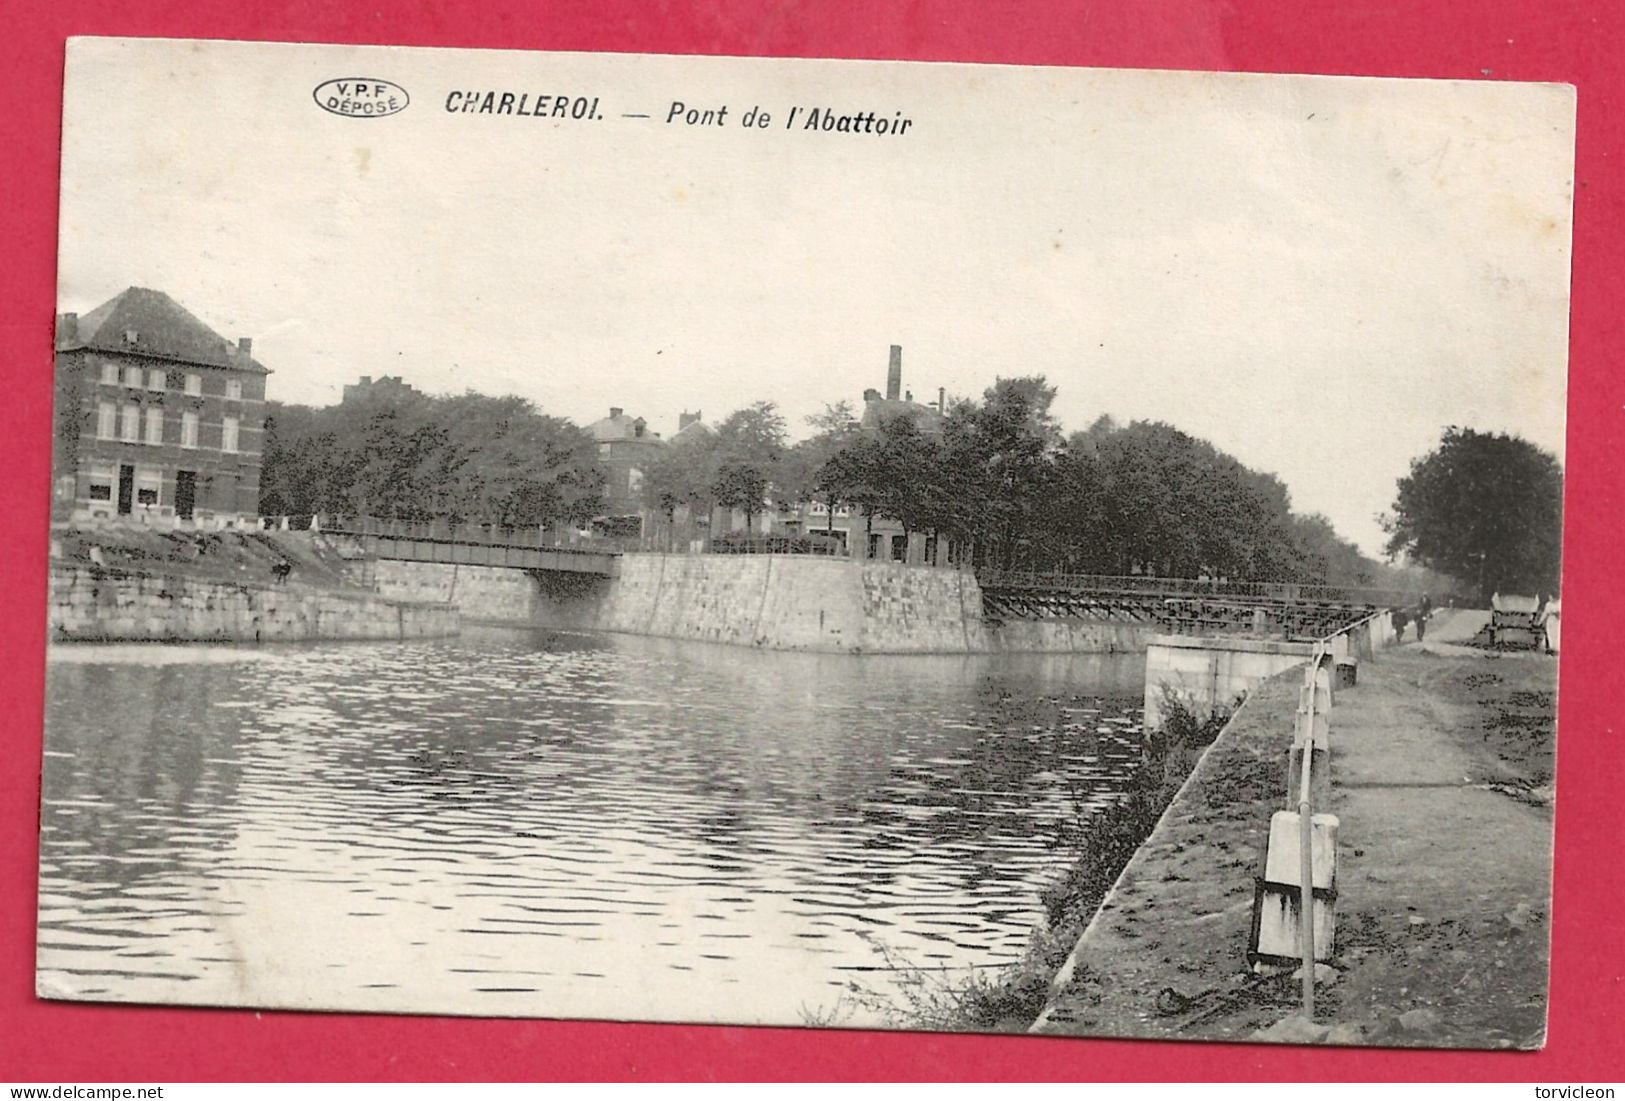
[532,824]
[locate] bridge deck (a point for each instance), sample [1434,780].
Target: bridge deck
[463,547]
[1184,606]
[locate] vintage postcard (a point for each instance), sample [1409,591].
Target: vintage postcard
[824,543]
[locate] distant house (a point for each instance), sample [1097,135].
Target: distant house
[900,403]
[879,536]
[389,387]
[690,425]
[159,418]
[626,448]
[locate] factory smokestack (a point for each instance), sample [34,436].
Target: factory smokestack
[894,374]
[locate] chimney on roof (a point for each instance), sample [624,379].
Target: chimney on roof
[67,326]
[908,395]
[685,418]
[615,412]
[942,399]
[894,373]
[638,426]
[245,345]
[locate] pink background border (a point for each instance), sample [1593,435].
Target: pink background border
[1550,40]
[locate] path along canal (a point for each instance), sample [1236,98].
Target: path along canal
[525,823]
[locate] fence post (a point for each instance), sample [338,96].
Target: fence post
[1306,847]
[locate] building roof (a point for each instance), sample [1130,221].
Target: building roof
[879,409]
[619,426]
[162,327]
[692,430]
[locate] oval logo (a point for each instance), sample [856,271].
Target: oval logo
[361,97]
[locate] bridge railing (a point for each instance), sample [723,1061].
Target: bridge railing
[442,531]
[1142,585]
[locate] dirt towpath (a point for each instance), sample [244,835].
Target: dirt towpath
[1441,774]
[1441,779]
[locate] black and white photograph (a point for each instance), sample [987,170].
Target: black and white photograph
[834,544]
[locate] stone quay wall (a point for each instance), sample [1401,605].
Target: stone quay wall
[1208,672]
[489,594]
[102,605]
[785,602]
[1072,636]
[773,602]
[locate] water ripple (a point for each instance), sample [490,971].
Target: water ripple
[610,827]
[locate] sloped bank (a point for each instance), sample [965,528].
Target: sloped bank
[1179,913]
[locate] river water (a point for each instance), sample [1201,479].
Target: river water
[525,823]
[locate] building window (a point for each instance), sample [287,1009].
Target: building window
[109,372]
[147,483]
[132,376]
[106,420]
[155,379]
[130,423]
[188,429]
[228,434]
[101,481]
[194,385]
[234,388]
[155,424]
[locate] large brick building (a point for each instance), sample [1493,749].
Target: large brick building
[159,418]
[626,449]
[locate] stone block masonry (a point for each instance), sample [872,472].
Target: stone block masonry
[783,602]
[485,594]
[1208,671]
[773,602]
[92,604]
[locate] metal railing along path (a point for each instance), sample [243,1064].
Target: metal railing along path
[1144,585]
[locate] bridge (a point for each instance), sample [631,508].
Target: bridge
[1183,605]
[468,545]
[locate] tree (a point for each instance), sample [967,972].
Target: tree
[1328,558]
[504,462]
[1486,508]
[999,454]
[750,443]
[854,476]
[683,477]
[413,457]
[741,485]
[799,469]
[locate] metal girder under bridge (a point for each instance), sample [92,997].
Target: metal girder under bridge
[467,546]
[1180,605]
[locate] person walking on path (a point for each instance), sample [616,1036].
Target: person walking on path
[1423,610]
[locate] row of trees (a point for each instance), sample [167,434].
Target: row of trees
[999,479]
[414,457]
[995,476]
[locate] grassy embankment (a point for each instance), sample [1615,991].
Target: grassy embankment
[232,556]
[1010,1000]
[1442,780]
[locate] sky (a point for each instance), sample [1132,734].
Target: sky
[1316,274]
